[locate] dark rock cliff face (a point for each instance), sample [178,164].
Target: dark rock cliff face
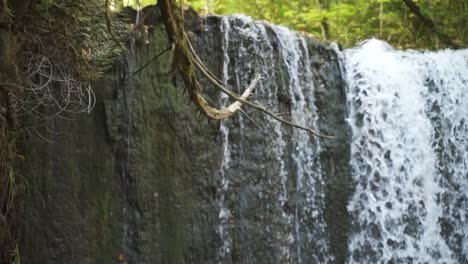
[11,189]
[142,179]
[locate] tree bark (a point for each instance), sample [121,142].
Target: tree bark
[428,23]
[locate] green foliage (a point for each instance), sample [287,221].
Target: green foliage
[137,3]
[348,21]
[99,46]
[16,256]
[63,45]
[351,21]
[93,47]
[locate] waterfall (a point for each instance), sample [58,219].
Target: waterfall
[152,182]
[292,189]
[407,113]
[224,212]
[309,201]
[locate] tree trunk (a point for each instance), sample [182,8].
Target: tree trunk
[428,23]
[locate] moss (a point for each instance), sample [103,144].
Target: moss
[16,256]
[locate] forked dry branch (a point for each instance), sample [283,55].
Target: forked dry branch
[186,62]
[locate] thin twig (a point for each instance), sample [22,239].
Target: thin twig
[236,97]
[188,60]
[250,118]
[149,62]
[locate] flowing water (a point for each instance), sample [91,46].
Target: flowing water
[158,186]
[409,147]
[407,112]
[254,47]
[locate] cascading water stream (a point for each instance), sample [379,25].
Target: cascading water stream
[224,212]
[407,112]
[155,185]
[408,149]
[298,229]
[309,201]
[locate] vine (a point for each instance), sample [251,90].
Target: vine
[63,46]
[186,63]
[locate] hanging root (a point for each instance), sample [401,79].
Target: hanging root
[53,88]
[186,62]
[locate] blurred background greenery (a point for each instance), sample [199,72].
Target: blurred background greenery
[434,23]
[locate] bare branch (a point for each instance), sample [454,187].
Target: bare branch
[429,23]
[250,118]
[149,62]
[186,61]
[236,97]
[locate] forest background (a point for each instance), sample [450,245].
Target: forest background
[50,45]
[429,24]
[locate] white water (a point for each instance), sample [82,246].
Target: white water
[296,58]
[407,112]
[225,215]
[248,46]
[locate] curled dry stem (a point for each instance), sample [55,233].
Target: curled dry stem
[186,62]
